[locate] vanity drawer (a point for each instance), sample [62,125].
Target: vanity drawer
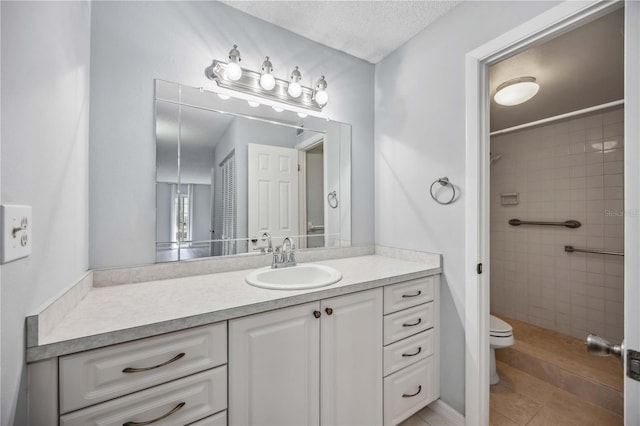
[188,400]
[95,376]
[408,322]
[408,351]
[219,419]
[408,391]
[408,294]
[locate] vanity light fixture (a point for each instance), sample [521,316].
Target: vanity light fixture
[234,72]
[516,91]
[267,80]
[230,76]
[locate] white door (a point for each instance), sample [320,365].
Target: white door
[632,205]
[351,359]
[273,192]
[274,367]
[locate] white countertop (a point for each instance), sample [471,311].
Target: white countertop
[115,314]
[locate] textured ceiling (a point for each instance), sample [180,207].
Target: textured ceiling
[579,69]
[368,30]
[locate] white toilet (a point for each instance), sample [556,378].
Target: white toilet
[500,336]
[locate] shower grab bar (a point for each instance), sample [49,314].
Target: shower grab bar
[568,223]
[571,249]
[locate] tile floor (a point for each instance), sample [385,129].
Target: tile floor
[426,417]
[521,399]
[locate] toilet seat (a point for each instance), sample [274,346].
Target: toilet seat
[499,328]
[500,333]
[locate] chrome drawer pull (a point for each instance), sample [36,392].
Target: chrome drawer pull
[141,369]
[415,323]
[413,295]
[164,416]
[404,395]
[419,350]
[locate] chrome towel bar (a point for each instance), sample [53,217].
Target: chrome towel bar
[571,249]
[567,223]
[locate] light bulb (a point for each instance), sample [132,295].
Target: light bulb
[223,97]
[322,97]
[277,109]
[253,104]
[302,115]
[266,78]
[267,81]
[320,94]
[234,72]
[295,89]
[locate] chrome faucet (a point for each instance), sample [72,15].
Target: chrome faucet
[284,256]
[267,236]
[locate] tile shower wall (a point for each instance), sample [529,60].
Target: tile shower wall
[566,170]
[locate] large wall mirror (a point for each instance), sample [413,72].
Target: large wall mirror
[227,174]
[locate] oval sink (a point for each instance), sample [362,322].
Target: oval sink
[297,277]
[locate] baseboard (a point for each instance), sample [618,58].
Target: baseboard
[445,410]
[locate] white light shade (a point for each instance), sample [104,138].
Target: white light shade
[234,72]
[267,81]
[516,91]
[253,104]
[322,97]
[295,89]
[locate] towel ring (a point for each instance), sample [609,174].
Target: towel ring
[332,199]
[444,181]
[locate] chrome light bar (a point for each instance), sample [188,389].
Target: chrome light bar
[249,83]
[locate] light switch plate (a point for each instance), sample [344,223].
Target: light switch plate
[16,232]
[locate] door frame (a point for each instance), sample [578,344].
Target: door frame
[557,20]
[304,146]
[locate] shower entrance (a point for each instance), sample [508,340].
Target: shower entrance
[549,227]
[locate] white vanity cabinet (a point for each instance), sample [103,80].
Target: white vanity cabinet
[368,357]
[307,364]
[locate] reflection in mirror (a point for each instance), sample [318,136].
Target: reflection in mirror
[227,177]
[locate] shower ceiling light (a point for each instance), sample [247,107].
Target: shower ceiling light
[516,91]
[263,84]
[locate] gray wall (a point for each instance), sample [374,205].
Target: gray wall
[201,212]
[420,136]
[132,43]
[45,82]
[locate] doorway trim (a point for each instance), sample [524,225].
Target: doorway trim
[303,147]
[558,20]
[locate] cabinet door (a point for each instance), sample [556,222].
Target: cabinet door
[351,370]
[274,367]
